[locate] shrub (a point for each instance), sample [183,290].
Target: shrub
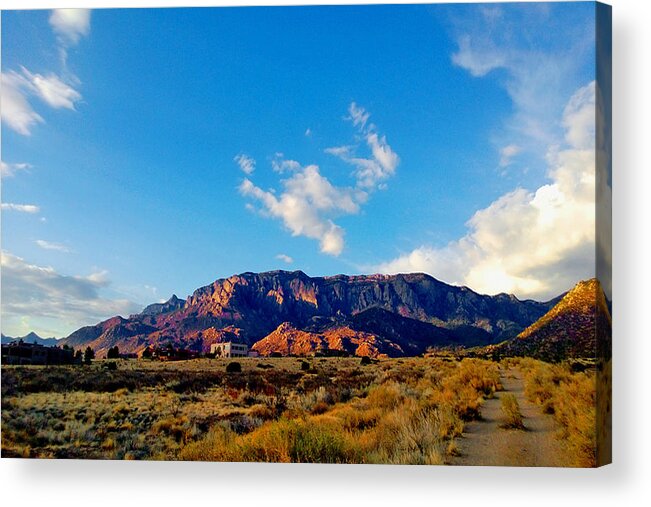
[233,367]
[305,366]
[365,361]
[512,414]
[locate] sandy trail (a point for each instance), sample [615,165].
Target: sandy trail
[485,443]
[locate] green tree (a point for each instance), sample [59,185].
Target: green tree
[113,353]
[89,355]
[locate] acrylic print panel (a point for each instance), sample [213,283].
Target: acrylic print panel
[388,228]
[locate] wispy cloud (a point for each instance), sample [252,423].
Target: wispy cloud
[309,203]
[56,91]
[534,244]
[18,112]
[7,170]
[48,245]
[51,90]
[21,208]
[69,25]
[507,153]
[246,163]
[40,293]
[381,165]
[538,81]
[285,258]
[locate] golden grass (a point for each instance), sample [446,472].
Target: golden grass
[512,415]
[398,411]
[572,398]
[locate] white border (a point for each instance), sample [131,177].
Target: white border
[627,482]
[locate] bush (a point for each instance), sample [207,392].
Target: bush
[305,366]
[512,414]
[365,360]
[234,367]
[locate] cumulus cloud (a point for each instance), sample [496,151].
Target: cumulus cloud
[309,203]
[305,204]
[246,163]
[534,244]
[43,295]
[21,208]
[285,258]
[7,169]
[48,245]
[70,25]
[17,87]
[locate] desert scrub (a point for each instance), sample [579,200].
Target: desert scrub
[511,410]
[572,398]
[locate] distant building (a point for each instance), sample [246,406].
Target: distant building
[253,353]
[20,352]
[229,349]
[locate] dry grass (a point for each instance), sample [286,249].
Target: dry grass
[399,411]
[512,415]
[572,398]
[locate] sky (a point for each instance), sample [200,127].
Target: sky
[147,152]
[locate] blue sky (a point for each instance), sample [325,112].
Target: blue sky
[150,151]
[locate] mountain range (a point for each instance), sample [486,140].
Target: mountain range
[32,338]
[292,313]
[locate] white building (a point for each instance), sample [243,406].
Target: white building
[229,349]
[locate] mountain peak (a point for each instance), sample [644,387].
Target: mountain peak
[575,327]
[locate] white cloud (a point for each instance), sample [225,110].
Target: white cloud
[7,169]
[358,115]
[305,205]
[309,202]
[48,245]
[43,295]
[281,165]
[534,244]
[370,172]
[537,81]
[285,258]
[51,90]
[70,25]
[507,153]
[21,208]
[308,132]
[17,113]
[246,163]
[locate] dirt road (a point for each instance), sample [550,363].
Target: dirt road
[485,443]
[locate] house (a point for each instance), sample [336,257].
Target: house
[229,349]
[31,353]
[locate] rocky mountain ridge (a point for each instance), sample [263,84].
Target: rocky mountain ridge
[412,311]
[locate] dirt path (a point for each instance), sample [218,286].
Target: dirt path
[485,443]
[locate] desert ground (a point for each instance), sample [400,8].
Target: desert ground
[438,409]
